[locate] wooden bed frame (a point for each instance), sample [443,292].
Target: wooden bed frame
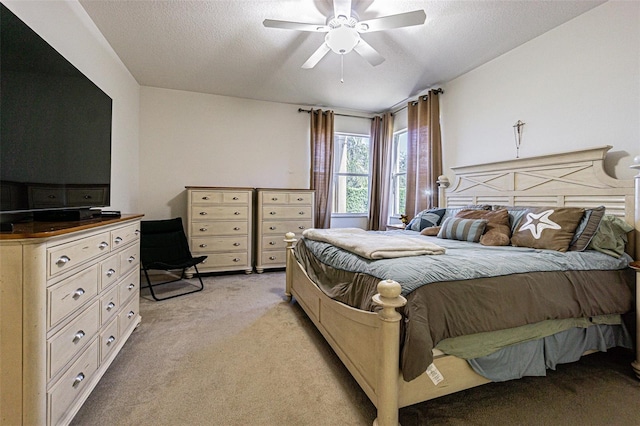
[368,343]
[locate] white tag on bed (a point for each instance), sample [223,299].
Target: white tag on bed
[434,374]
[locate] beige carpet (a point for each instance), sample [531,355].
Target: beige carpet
[239,354]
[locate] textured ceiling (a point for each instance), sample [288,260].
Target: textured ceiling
[221,47]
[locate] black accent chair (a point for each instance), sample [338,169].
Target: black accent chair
[164,246]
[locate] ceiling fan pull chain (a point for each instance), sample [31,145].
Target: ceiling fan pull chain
[342,68]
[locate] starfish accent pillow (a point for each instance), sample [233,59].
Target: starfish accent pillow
[550,228]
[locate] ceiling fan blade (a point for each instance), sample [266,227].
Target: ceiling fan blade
[317,55]
[299,26]
[342,7]
[365,50]
[417,17]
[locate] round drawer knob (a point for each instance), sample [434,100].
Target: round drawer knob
[203,213]
[118,240]
[235,198]
[110,306]
[79,335]
[273,228]
[203,245]
[300,212]
[103,245]
[236,228]
[236,244]
[110,273]
[79,378]
[110,340]
[63,260]
[272,243]
[203,229]
[300,199]
[272,258]
[79,292]
[205,198]
[130,314]
[236,259]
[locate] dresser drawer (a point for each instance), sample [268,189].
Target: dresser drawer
[287,198]
[276,241]
[224,244]
[127,234]
[109,271]
[68,341]
[45,197]
[286,212]
[108,339]
[220,212]
[273,257]
[225,260]
[128,317]
[129,286]
[218,197]
[219,228]
[282,227]
[66,256]
[109,305]
[96,196]
[72,383]
[71,293]
[129,259]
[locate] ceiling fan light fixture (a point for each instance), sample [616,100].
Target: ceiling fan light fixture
[342,40]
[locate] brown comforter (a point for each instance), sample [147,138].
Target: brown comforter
[442,310]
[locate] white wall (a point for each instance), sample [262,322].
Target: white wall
[196,139]
[577,86]
[66,26]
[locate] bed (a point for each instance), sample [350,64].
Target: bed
[372,343]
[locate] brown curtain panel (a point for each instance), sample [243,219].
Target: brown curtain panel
[424,153]
[322,165]
[381,158]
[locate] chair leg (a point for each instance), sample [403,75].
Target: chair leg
[182,277]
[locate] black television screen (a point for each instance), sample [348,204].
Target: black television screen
[55,127]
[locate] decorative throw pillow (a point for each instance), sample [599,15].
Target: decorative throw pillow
[453,211]
[611,236]
[431,231]
[455,228]
[497,231]
[515,214]
[550,228]
[425,219]
[586,228]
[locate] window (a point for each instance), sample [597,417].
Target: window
[351,174]
[399,174]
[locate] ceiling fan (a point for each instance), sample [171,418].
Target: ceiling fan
[344,29]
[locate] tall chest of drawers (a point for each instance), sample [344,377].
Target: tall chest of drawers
[280,211]
[220,226]
[69,299]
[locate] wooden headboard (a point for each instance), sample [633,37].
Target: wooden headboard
[569,179]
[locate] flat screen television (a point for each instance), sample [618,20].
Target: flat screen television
[55,128]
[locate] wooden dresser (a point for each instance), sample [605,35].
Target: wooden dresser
[280,211]
[220,225]
[69,297]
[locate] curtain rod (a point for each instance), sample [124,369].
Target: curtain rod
[308,111]
[424,98]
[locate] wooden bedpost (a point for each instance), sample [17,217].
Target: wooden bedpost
[290,239]
[636,364]
[443,184]
[387,387]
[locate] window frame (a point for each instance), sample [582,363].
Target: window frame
[395,173]
[336,175]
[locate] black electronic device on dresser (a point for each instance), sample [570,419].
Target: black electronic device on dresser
[55,131]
